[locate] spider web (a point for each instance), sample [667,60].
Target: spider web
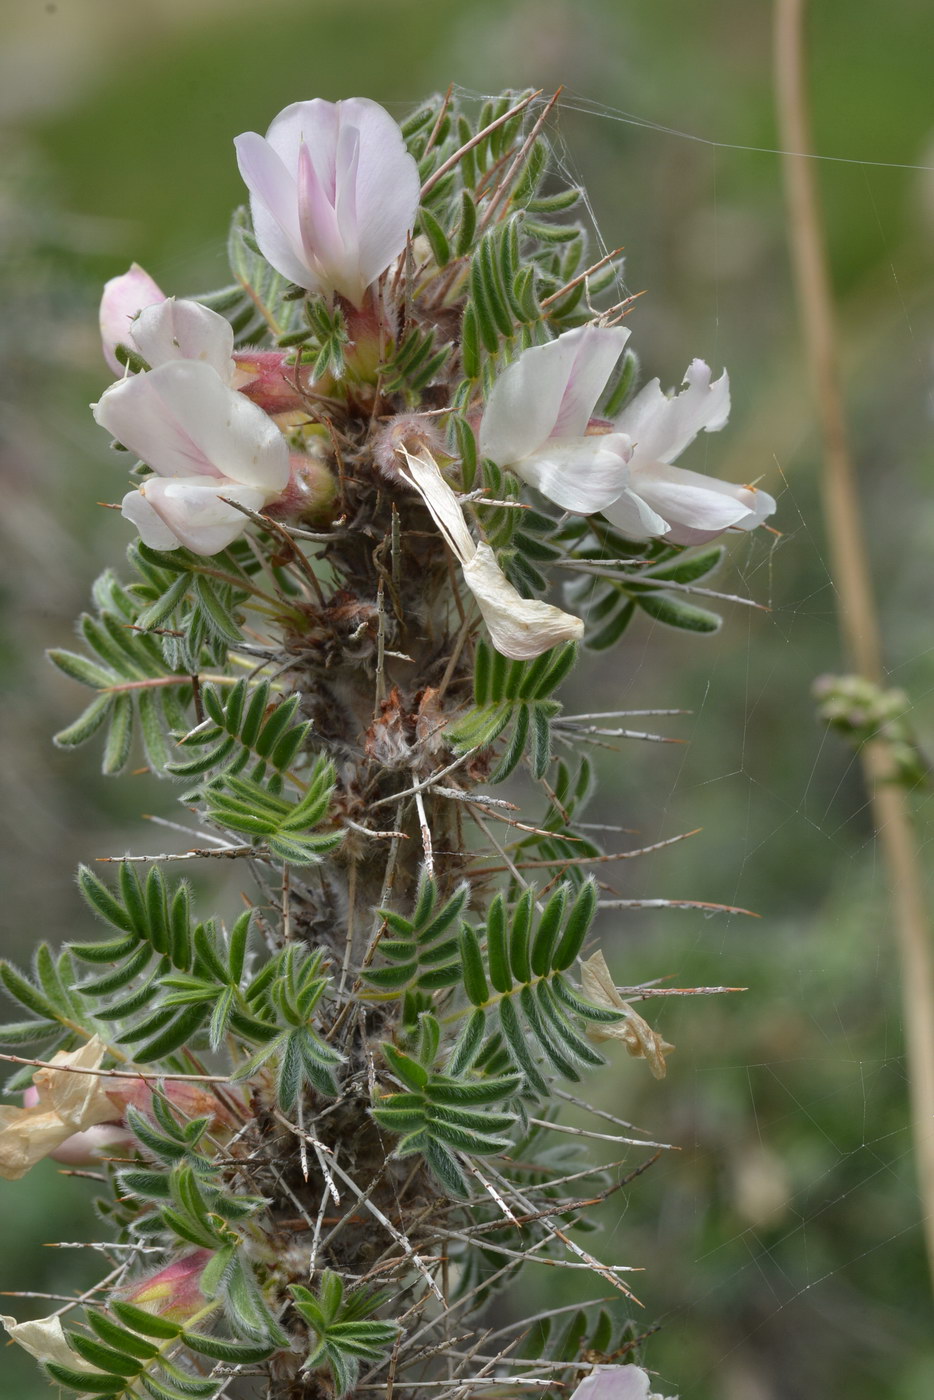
[783,1242]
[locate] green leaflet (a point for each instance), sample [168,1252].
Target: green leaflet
[514,697]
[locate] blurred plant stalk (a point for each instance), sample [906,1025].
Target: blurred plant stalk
[856,606]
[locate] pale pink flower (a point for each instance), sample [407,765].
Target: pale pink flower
[519,627]
[134,313]
[333,193]
[658,499]
[203,441]
[123,299]
[536,420]
[617,1383]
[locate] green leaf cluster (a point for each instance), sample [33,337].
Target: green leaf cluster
[290,987]
[423,951]
[612,602]
[285,828]
[440,1115]
[514,971]
[240,727]
[145,643]
[514,697]
[137,689]
[141,1353]
[343,1330]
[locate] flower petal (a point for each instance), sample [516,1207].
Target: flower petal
[65,1102]
[662,427]
[698,507]
[122,300]
[550,390]
[183,420]
[636,1034]
[630,514]
[193,512]
[274,208]
[80,1100]
[583,474]
[184,330]
[153,530]
[386,186]
[616,1383]
[519,627]
[441,501]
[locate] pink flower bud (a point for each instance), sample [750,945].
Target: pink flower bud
[310,494]
[267,377]
[192,1100]
[174,1292]
[123,299]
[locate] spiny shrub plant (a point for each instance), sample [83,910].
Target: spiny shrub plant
[388,484]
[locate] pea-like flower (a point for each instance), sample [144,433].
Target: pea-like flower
[173,1292]
[537,416]
[659,499]
[617,1383]
[333,193]
[203,441]
[135,314]
[539,422]
[123,299]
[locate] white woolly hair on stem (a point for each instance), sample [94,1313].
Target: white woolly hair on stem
[856,607]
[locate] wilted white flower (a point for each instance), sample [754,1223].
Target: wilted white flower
[617,1383]
[636,1034]
[658,499]
[65,1103]
[333,193]
[536,419]
[519,627]
[204,441]
[44,1339]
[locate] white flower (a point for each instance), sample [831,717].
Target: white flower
[44,1339]
[66,1103]
[617,1383]
[123,299]
[203,440]
[519,627]
[176,329]
[333,193]
[536,418]
[684,507]
[636,1034]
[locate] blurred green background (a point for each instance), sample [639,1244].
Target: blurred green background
[781,1242]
